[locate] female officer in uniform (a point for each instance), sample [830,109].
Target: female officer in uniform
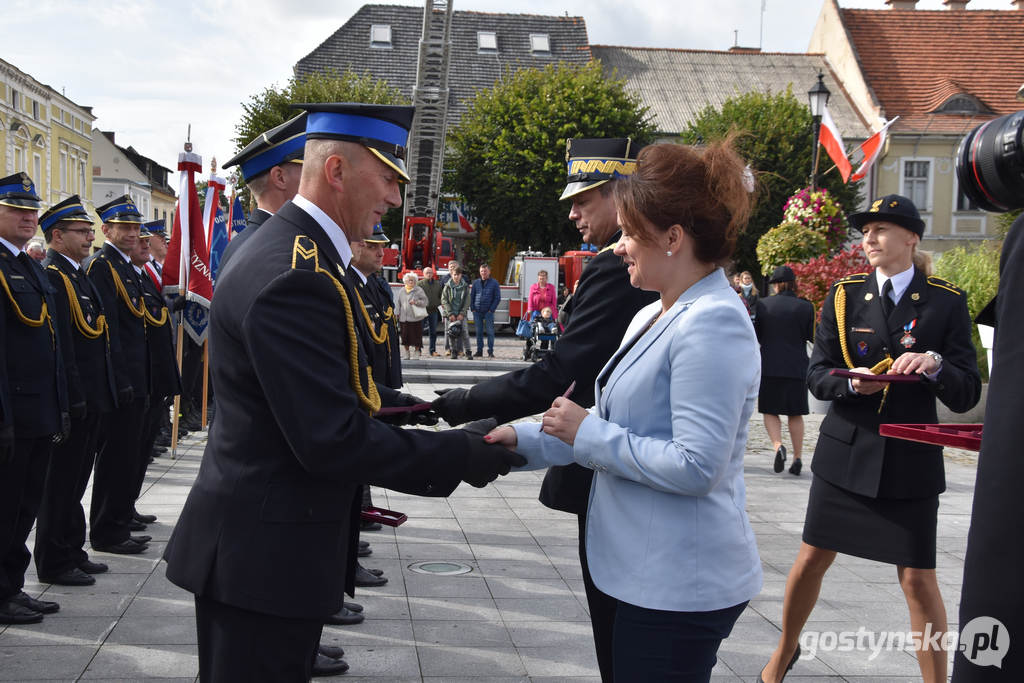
[872,496]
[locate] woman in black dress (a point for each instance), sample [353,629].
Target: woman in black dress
[872,496]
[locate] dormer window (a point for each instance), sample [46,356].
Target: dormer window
[486,41]
[380,35]
[962,103]
[540,42]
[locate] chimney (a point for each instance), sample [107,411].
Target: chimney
[901,4]
[955,5]
[1018,4]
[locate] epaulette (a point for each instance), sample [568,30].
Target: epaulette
[855,278]
[304,254]
[94,259]
[944,284]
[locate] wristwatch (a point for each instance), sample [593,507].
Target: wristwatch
[936,356]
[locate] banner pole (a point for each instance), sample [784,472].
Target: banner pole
[177,397]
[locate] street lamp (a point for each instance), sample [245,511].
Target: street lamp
[818,98]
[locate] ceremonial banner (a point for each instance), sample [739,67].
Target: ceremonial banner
[236,219]
[188,250]
[219,241]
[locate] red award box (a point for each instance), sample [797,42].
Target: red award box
[967,436]
[912,378]
[385,517]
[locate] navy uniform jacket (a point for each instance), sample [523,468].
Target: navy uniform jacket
[385,357]
[87,361]
[33,390]
[850,452]
[120,289]
[258,217]
[163,366]
[784,323]
[598,315]
[267,525]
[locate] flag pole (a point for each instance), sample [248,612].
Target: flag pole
[182,289]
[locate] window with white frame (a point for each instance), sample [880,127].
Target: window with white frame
[19,159]
[916,180]
[540,42]
[64,170]
[81,175]
[380,35]
[16,100]
[35,110]
[486,41]
[37,169]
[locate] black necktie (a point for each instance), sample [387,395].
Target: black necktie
[887,302]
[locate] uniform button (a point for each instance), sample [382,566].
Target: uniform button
[430,487]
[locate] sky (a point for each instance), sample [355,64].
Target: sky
[149,68]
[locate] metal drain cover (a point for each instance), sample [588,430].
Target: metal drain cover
[440,568]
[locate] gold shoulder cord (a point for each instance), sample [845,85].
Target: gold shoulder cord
[382,336]
[119,286]
[76,311]
[881,366]
[369,397]
[44,312]
[150,320]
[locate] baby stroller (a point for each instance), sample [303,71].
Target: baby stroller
[540,336]
[454,331]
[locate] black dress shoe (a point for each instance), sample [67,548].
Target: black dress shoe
[69,577]
[325,666]
[128,547]
[136,525]
[145,519]
[369,526]
[332,651]
[163,440]
[780,458]
[141,540]
[364,552]
[90,567]
[796,467]
[13,613]
[353,606]
[364,544]
[345,617]
[364,579]
[375,571]
[41,606]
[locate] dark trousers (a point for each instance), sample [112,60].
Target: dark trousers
[191,377]
[60,528]
[433,319]
[602,610]
[21,487]
[117,467]
[151,422]
[658,645]
[249,647]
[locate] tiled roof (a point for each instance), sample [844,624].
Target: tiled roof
[915,60]
[470,71]
[678,84]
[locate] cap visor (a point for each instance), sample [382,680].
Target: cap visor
[573,189]
[392,162]
[21,203]
[125,219]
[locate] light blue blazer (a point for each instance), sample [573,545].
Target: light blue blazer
[667,526]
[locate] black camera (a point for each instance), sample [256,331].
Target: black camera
[990,164]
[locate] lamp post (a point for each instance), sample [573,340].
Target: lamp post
[818,98]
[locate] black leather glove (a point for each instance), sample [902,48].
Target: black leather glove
[452,405]
[6,443]
[78,411]
[125,395]
[426,417]
[178,305]
[485,462]
[65,429]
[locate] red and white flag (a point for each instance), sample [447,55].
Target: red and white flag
[187,249]
[463,221]
[871,147]
[832,141]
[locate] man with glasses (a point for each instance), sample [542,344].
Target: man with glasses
[60,531]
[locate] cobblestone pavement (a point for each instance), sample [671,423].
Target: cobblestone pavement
[518,615]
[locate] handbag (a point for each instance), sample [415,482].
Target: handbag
[418,312]
[524,329]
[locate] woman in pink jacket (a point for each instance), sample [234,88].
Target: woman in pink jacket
[542,295]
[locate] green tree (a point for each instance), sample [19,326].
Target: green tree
[508,150]
[777,140]
[272,106]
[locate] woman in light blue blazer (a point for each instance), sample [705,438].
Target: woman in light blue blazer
[667,533]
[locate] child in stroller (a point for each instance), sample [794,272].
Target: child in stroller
[458,338]
[543,333]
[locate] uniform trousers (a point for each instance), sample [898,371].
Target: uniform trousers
[602,610]
[21,487]
[158,410]
[60,528]
[236,644]
[117,467]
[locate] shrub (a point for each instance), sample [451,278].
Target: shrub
[788,242]
[819,211]
[815,277]
[976,271]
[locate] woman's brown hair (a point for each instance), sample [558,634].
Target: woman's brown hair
[702,189]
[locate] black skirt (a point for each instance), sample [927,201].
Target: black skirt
[900,532]
[782,396]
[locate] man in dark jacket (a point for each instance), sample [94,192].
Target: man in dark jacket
[598,314]
[266,531]
[60,530]
[784,323]
[431,286]
[484,297]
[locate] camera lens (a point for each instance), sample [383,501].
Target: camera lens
[990,164]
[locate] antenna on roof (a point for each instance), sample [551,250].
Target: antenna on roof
[736,38]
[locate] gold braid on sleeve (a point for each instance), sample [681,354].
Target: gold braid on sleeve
[44,312]
[377,337]
[77,316]
[879,367]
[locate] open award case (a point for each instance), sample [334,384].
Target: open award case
[966,436]
[385,517]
